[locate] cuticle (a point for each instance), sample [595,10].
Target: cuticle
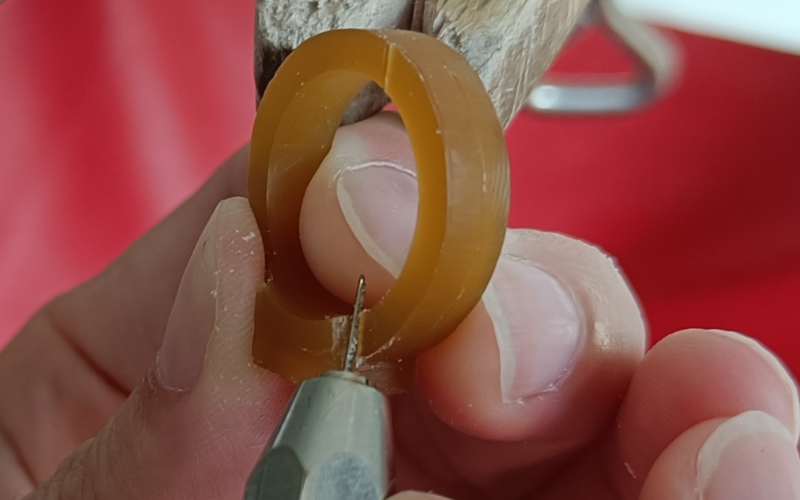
[375,163]
[156,378]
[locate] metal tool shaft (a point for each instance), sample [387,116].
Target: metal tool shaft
[352,341]
[333,442]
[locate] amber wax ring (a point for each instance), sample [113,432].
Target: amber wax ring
[462,169]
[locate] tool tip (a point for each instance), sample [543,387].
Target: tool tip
[352,343]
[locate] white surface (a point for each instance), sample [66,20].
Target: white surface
[773,24]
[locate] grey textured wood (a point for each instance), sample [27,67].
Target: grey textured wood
[509,42]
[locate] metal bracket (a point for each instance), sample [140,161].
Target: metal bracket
[655,57]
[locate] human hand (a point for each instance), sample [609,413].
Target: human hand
[139,384]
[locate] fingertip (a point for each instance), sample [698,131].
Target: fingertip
[467,395]
[228,361]
[712,373]
[548,353]
[782,373]
[750,455]
[693,376]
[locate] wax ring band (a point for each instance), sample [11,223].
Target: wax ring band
[462,169]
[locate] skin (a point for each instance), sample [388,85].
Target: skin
[93,406]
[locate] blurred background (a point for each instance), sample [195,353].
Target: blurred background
[113,112]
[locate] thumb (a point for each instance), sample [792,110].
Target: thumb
[198,422]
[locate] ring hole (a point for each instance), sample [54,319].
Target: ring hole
[359,211]
[302,139]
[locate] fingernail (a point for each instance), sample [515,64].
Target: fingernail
[777,367]
[750,456]
[538,325]
[379,203]
[182,354]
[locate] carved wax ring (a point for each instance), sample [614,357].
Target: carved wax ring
[462,169]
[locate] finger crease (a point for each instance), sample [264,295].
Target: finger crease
[19,457]
[112,382]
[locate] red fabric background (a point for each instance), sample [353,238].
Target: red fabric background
[113,112]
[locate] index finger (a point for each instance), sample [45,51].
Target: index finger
[117,319]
